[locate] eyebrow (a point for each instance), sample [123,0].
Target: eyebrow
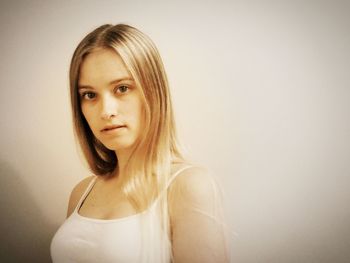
[110,83]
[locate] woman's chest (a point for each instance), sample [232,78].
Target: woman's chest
[116,210]
[103,204]
[82,239]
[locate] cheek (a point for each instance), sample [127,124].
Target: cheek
[87,114]
[141,117]
[140,106]
[135,108]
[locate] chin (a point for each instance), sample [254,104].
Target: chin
[118,146]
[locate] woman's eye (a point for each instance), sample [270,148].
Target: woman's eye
[88,95]
[122,89]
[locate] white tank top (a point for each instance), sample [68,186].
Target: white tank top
[88,240]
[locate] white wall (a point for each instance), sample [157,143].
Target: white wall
[261,92]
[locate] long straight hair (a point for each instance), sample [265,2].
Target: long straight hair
[148,168]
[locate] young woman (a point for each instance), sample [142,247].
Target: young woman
[144,203]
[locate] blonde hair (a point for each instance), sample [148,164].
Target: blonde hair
[148,168]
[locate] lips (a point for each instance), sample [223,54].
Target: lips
[111,127]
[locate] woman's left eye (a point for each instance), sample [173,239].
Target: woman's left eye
[122,89]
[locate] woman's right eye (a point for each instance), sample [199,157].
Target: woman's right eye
[88,95]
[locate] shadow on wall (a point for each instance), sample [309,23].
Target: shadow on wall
[25,232]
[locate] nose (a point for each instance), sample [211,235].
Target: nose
[109,107]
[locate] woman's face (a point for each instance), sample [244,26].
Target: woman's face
[110,101]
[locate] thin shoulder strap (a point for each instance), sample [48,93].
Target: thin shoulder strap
[172,178]
[87,191]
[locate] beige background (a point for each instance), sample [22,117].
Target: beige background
[261,92]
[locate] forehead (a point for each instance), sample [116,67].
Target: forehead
[102,66]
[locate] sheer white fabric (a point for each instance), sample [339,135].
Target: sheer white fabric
[199,232]
[196,218]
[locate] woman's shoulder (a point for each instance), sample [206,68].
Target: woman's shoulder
[192,180]
[77,192]
[193,189]
[184,171]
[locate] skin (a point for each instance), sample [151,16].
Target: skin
[109,97]
[191,189]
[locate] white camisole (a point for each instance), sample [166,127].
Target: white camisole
[88,240]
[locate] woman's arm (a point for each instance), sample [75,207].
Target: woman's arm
[197,221]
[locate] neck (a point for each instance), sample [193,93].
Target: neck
[123,156]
